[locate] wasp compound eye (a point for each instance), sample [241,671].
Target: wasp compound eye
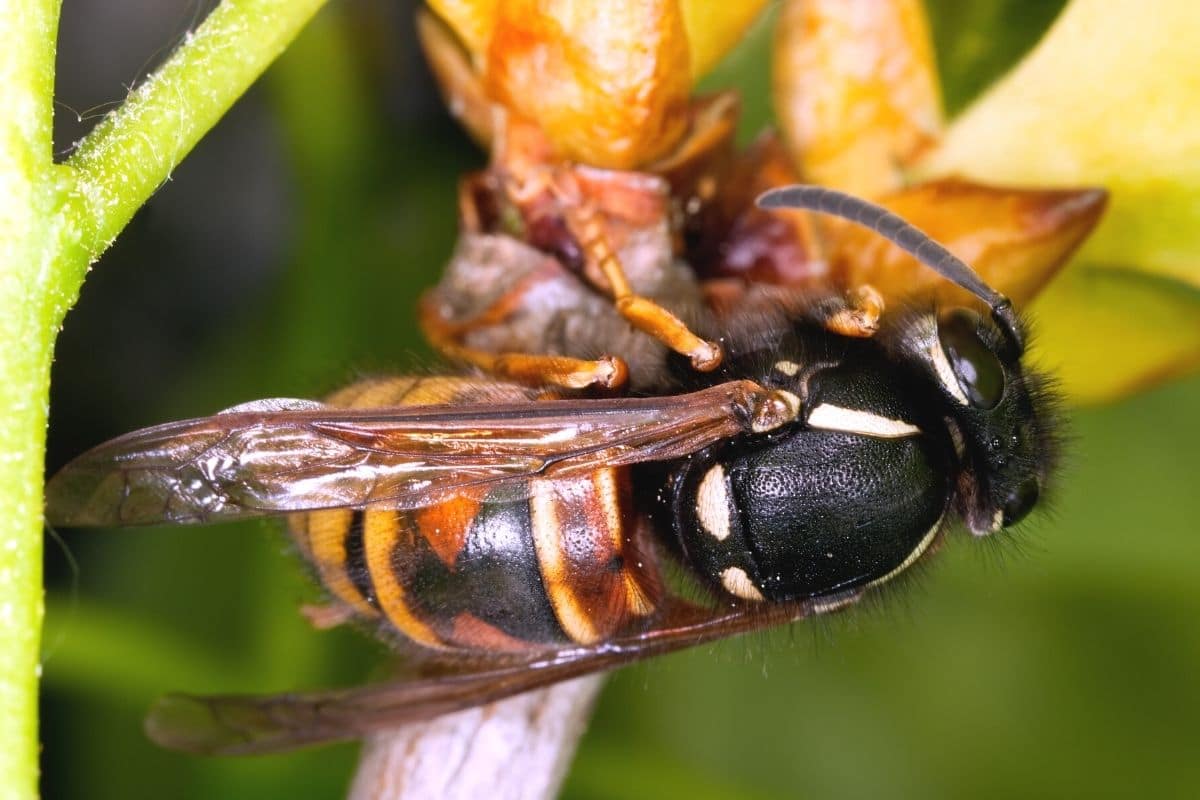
[1021,501]
[976,368]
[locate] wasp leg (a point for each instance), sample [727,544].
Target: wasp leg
[858,314]
[641,312]
[323,617]
[609,372]
[526,184]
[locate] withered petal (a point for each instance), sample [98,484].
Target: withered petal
[1015,238]
[608,83]
[855,90]
[744,242]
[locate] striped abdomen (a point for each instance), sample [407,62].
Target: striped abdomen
[547,563]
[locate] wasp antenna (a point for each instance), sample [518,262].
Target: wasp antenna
[904,235]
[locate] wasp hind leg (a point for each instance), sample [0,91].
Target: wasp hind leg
[608,372]
[323,617]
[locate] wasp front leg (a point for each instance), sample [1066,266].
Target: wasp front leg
[602,267]
[856,313]
[641,312]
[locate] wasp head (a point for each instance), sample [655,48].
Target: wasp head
[1001,417]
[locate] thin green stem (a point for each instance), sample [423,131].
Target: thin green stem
[27,34]
[132,152]
[54,221]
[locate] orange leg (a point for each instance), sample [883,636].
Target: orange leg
[608,372]
[323,617]
[641,312]
[604,270]
[859,316]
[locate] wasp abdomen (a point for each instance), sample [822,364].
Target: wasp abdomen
[542,562]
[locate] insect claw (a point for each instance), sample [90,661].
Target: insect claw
[324,617]
[706,356]
[611,372]
[859,318]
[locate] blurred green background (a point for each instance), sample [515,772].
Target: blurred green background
[283,259]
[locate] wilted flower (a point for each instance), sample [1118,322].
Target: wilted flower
[1011,187]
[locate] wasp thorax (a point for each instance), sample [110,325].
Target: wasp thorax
[847,495]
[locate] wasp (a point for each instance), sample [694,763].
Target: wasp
[507,534]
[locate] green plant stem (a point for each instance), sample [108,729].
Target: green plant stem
[129,155]
[27,33]
[55,220]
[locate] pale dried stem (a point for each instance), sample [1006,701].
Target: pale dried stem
[515,749]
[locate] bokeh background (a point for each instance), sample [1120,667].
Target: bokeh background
[283,258]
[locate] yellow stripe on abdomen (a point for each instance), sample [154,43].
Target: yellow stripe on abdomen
[384,532]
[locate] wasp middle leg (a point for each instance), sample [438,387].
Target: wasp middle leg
[607,372]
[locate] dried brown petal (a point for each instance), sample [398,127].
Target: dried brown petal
[855,90]
[743,241]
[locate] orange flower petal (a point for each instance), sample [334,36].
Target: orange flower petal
[607,82]
[471,20]
[460,85]
[855,90]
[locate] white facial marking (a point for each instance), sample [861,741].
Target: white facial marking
[712,503]
[851,420]
[917,552]
[789,368]
[945,373]
[997,520]
[738,583]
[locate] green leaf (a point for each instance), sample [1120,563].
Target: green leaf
[1109,97]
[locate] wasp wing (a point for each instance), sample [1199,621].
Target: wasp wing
[274,457]
[250,724]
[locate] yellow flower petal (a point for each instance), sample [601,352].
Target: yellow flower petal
[1107,334]
[1111,96]
[713,28]
[471,20]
